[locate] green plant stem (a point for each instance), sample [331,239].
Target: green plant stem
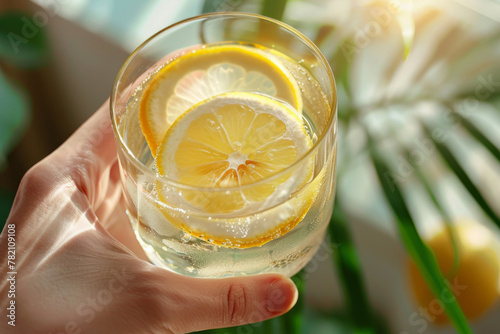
[292,321]
[346,260]
[447,221]
[444,215]
[274,8]
[210,6]
[267,327]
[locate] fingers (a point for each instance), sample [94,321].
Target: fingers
[107,207]
[216,303]
[87,156]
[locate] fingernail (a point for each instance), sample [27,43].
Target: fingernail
[281,296]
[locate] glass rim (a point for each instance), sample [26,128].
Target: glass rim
[331,122]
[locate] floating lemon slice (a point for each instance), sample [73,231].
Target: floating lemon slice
[206,72]
[232,141]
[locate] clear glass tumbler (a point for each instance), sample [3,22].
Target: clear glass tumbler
[205,231]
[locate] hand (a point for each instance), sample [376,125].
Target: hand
[80,268]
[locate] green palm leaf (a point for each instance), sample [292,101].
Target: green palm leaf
[418,251]
[462,175]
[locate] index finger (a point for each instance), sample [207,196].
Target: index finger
[89,153]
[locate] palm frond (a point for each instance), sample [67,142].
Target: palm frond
[480,136]
[462,175]
[422,256]
[423,179]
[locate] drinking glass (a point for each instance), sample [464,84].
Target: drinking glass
[170,227]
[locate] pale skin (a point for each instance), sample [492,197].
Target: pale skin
[80,268]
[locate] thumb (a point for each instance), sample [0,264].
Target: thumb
[199,304]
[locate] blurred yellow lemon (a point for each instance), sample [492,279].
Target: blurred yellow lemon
[475,282]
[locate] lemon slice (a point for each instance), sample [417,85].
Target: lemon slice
[232,141]
[202,73]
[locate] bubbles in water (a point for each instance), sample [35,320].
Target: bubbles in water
[185,237]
